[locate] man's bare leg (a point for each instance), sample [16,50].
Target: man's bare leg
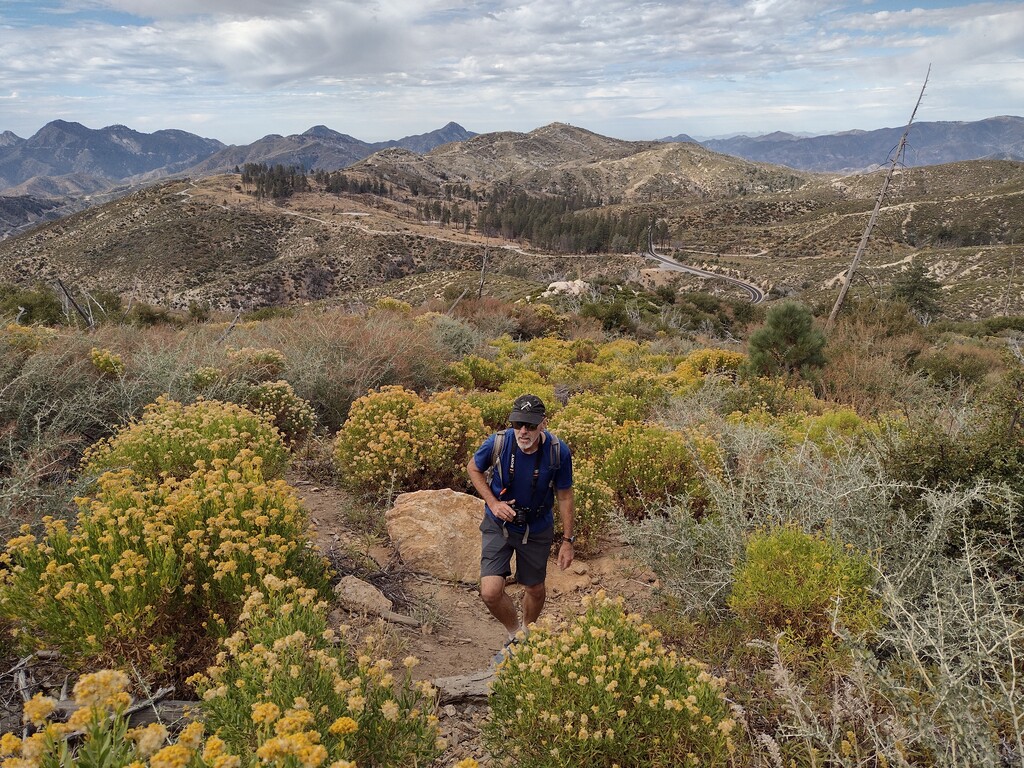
[533,602]
[498,602]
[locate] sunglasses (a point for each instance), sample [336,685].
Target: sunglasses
[517,425]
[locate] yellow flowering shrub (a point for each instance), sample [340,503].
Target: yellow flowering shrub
[648,464]
[616,405]
[649,389]
[256,363]
[97,734]
[277,401]
[204,377]
[107,363]
[171,437]
[602,689]
[152,572]
[585,428]
[800,584]
[709,360]
[594,504]
[289,691]
[389,304]
[394,441]
[26,338]
[475,372]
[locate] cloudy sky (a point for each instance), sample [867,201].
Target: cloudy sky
[236,70]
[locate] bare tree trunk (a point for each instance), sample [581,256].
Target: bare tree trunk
[878,205]
[483,270]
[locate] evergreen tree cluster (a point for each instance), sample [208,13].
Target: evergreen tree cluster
[445,214]
[337,183]
[562,224]
[274,181]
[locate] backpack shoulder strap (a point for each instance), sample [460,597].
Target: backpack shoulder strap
[555,456]
[496,449]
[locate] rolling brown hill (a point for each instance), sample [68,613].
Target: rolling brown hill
[209,241]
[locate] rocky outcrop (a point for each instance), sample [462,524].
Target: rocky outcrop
[438,533]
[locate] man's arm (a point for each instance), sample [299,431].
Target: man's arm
[567,512]
[500,509]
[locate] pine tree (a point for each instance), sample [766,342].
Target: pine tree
[918,289]
[788,343]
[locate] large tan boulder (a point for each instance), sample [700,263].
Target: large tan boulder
[438,533]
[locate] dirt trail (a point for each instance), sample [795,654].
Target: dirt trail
[458,636]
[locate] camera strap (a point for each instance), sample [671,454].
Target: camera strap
[533,482]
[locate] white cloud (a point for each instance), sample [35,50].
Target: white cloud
[411,65]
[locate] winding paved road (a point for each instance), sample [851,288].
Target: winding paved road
[756,294]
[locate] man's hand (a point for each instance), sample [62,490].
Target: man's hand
[503,511]
[565,555]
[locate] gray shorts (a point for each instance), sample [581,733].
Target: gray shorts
[531,558]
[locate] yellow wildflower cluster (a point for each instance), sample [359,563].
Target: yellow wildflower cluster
[148,563]
[171,437]
[277,401]
[393,440]
[27,338]
[106,362]
[97,733]
[603,689]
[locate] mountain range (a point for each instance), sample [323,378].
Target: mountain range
[213,240]
[929,143]
[79,166]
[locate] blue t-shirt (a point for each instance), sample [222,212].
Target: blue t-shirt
[522,484]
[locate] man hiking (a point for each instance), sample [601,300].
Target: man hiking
[528,468]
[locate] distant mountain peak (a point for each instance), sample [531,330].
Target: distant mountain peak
[323,133]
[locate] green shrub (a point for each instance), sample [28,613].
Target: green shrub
[958,363]
[286,674]
[457,336]
[603,690]
[474,372]
[803,585]
[40,305]
[170,438]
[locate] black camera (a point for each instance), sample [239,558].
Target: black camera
[523,516]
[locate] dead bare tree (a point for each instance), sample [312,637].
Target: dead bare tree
[896,160]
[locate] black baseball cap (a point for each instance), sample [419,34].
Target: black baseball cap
[528,409]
